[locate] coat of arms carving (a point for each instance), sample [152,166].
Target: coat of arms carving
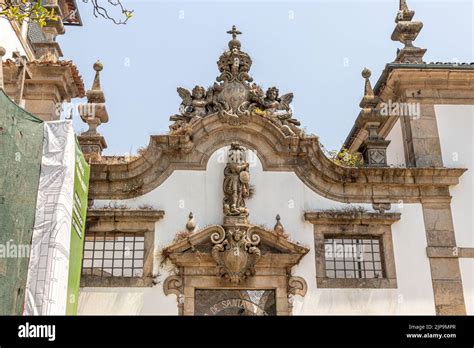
[236,252]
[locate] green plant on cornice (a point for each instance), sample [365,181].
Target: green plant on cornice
[344,158]
[349,210]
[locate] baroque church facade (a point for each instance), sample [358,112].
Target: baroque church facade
[237,211]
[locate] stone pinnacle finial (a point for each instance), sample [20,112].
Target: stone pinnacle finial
[94,113]
[369,100]
[404,13]
[403,5]
[98,67]
[374,147]
[406,31]
[368,91]
[279,229]
[2,53]
[191,224]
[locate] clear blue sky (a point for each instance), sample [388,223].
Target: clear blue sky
[316,49]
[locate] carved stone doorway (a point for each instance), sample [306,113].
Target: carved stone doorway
[201,289]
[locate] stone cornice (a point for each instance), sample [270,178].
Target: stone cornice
[350,218]
[122,220]
[277,152]
[125,214]
[63,75]
[427,84]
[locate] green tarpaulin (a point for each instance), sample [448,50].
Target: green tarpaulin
[21,145]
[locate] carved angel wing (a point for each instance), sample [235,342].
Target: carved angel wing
[185,95]
[286,99]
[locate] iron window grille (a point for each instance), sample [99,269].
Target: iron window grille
[113,254]
[356,257]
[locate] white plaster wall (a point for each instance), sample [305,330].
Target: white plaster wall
[456,133]
[9,39]
[276,193]
[395,151]
[467,274]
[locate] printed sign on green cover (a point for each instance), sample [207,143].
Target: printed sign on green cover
[81,186]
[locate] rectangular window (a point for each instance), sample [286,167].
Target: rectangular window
[114,254]
[353,257]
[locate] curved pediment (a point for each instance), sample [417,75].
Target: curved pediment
[277,152]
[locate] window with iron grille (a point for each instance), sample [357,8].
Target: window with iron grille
[353,257]
[113,254]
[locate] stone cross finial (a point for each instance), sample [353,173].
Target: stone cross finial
[2,53]
[234,32]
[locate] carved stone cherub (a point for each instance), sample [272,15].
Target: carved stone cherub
[194,103]
[279,111]
[276,105]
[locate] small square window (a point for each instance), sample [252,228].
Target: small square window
[354,258]
[113,255]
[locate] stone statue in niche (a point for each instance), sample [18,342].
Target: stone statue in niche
[236,182]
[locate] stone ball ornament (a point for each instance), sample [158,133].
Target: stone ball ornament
[98,66]
[366,73]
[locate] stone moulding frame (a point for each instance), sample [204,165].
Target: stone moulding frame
[124,221]
[277,152]
[197,270]
[354,224]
